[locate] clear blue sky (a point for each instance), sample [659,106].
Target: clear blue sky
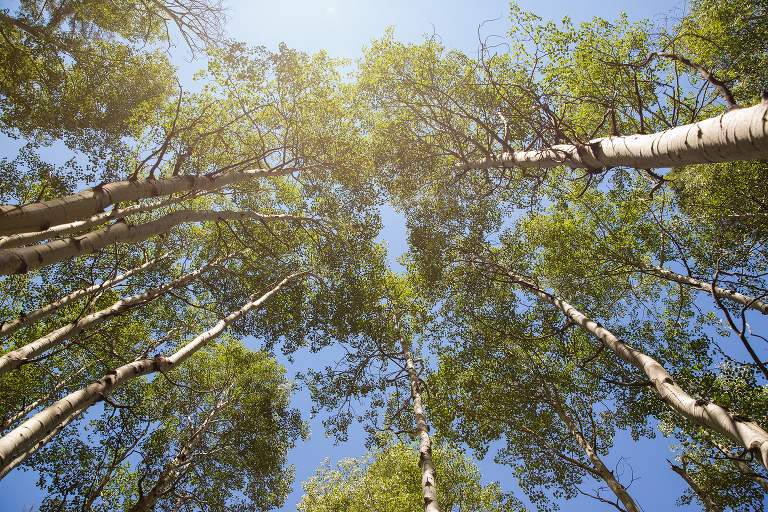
[342,28]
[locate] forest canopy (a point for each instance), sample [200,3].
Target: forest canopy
[586,208]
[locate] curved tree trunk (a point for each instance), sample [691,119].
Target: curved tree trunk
[737,134]
[736,427]
[92,201]
[16,358]
[428,473]
[20,261]
[46,421]
[33,316]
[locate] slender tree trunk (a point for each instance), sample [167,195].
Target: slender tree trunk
[29,318]
[21,239]
[750,302]
[20,457]
[20,261]
[744,468]
[600,469]
[49,419]
[709,504]
[17,357]
[148,500]
[736,427]
[737,134]
[92,201]
[31,407]
[428,473]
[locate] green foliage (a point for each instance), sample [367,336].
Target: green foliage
[388,478]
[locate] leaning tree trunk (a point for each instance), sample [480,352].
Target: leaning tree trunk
[428,473]
[698,284]
[744,468]
[600,469]
[92,201]
[26,319]
[20,261]
[708,502]
[16,358]
[22,439]
[737,134]
[736,427]
[21,239]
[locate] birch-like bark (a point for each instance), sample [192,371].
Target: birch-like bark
[147,501]
[47,420]
[737,134]
[709,504]
[597,463]
[20,239]
[92,201]
[736,427]
[732,295]
[16,358]
[32,448]
[742,466]
[428,473]
[26,319]
[20,261]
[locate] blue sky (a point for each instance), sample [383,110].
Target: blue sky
[342,28]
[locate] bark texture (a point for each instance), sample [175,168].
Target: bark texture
[46,421]
[20,261]
[744,468]
[29,318]
[736,427]
[16,358]
[428,472]
[600,469]
[92,201]
[21,239]
[737,134]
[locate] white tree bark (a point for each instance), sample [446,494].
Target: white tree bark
[44,422]
[26,319]
[16,358]
[19,261]
[92,201]
[428,472]
[738,134]
[21,239]
[736,427]
[742,466]
[750,302]
[594,458]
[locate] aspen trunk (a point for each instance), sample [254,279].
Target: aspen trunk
[742,466]
[428,473]
[709,504]
[750,302]
[738,134]
[20,261]
[21,239]
[736,427]
[49,419]
[92,201]
[29,318]
[16,358]
[147,501]
[597,463]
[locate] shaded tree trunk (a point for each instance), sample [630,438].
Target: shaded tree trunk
[709,504]
[46,421]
